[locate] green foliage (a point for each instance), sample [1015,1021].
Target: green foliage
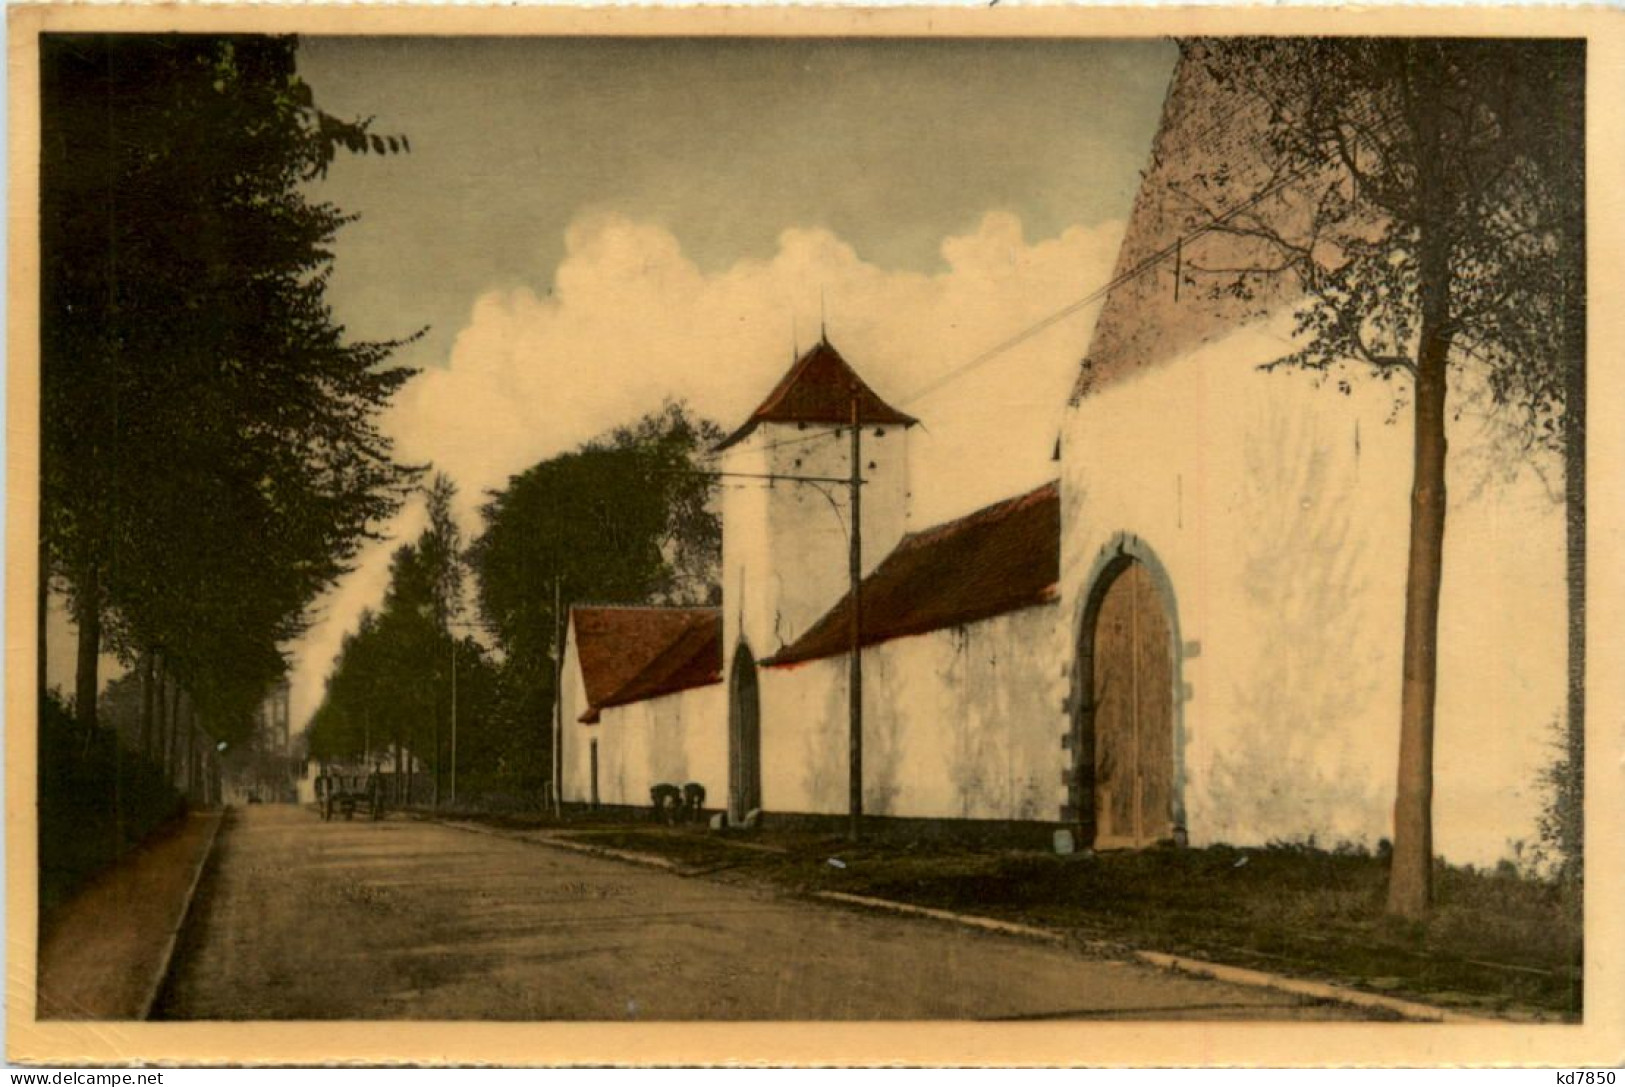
[382,690]
[1344,126]
[390,689]
[98,799]
[1561,847]
[441,550]
[391,685]
[210,454]
[624,519]
[1427,196]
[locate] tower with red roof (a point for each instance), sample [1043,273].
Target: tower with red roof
[785,560]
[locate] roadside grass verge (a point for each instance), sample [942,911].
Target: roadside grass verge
[98,802]
[1496,943]
[688,846]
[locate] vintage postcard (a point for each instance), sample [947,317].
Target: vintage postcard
[1029,536]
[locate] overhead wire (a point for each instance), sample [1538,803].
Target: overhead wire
[799,440]
[1098,293]
[1147,264]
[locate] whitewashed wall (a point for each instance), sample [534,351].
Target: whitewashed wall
[747,598]
[1279,511]
[959,723]
[784,545]
[677,738]
[576,777]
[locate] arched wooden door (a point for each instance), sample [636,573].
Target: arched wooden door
[1133,713]
[744,737]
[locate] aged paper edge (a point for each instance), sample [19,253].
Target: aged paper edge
[1599,1040]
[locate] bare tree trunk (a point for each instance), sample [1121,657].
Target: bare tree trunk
[1410,879]
[173,740]
[43,604]
[1574,463]
[160,713]
[191,752]
[90,645]
[1410,886]
[146,705]
[434,769]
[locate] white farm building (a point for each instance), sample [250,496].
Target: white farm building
[1193,634]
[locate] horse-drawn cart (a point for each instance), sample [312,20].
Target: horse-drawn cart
[345,794]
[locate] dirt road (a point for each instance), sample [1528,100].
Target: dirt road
[399,919]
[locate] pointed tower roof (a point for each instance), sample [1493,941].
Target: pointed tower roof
[818,389]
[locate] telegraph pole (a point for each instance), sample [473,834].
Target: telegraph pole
[454,717]
[855,680]
[559,634]
[853,481]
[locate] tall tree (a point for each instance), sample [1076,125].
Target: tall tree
[210,454]
[411,650]
[440,551]
[376,701]
[625,518]
[1427,198]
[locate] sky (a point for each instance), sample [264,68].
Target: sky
[585,227]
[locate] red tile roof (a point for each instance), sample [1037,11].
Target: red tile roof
[693,660]
[818,389]
[625,647]
[999,559]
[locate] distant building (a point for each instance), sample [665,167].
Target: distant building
[264,769]
[272,721]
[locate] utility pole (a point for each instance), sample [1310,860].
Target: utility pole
[855,680]
[453,717]
[854,481]
[558,698]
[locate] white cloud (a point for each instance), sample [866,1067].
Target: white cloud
[630,320]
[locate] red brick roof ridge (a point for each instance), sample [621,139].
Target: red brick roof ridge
[989,512]
[692,659]
[617,643]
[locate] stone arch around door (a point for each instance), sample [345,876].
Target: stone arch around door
[744,736]
[1126,782]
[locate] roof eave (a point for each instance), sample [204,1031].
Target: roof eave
[787,656]
[904,420]
[652,695]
